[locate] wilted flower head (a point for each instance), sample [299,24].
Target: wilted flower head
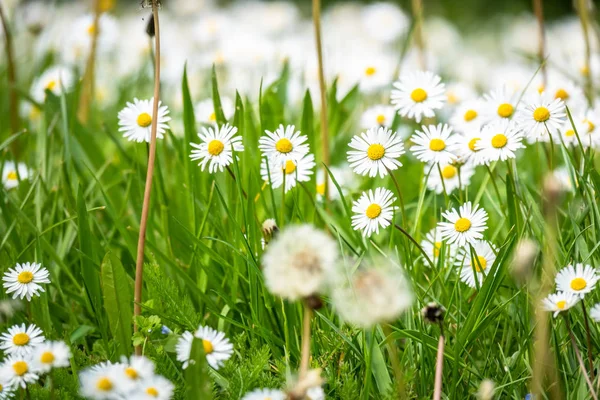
[299,262]
[486,390]
[523,259]
[433,313]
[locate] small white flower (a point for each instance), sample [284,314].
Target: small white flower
[541,115]
[154,388]
[560,301]
[24,280]
[453,176]
[373,210]
[465,225]
[216,147]
[49,355]
[375,152]
[265,394]
[567,91]
[374,72]
[134,370]
[500,104]
[6,390]
[475,262]
[101,382]
[57,80]
[135,120]
[432,246]
[19,371]
[315,393]
[378,115]
[384,22]
[595,313]
[299,170]
[205,110]
[567,134]
[499,141]
[20,340]
[469,115]
[183,349]
[299,262]
[435,144]
[284,144]
[417,94]
[590,137]
[217,347]
[578,279]
[467,150]
[343,176]
[12,174]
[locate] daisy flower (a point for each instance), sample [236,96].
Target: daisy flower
[217,347]
[373,210]
[417,94]
[375,152]
[25,280]
[374,71]
[500,104]
[100,382]
[13,173]
[134,370]
[595,313]
[20,340]
[432,246]
[475,266]
[435,144]
[135,120]
[49,355]
[452,177]
[567,91]
[466,148]
[299,170]
[154,388]
[458,92]
[205,110]
[299,262]
[468,115]
[18,371]
[378,115]
[591,135]
[499,141]
[216,147]
[265,394]
[284,144]
[465,225]
[384,22]
[57,80]
[183,348]
[344,177]
[560,301]
[6,391]
[578,279]
[568,134]
[541,115]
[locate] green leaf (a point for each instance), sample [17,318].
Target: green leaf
[196,374]
[118,301]
[217,98]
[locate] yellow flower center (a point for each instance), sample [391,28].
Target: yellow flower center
[290,167]
[144,120]
[212,117]
[321,189]
[373,211]
[208,346]
[375,151]
[541,89]
[381,119]
[591,126]
[51,85]
[578,284]
[20,368]
[570,133]
[284,146]
[462,225]
[437,144]
[449,171]
[561,94]
[47,357]
[561,304]
[104,384]
[12,176]
[418,95]
[131,373]
[473,143]
[437,246]
[505,110]
[541,114]
[480,264]
[152,392]
[215,147]
[470,115]
[452,98]
[25,277]
[499,141]
[1,388]
[106,5]
[369,71]
[91,29]
[585,70]
[21,339]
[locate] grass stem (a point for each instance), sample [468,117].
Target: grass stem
[305,355]
[11,72]
[579,358]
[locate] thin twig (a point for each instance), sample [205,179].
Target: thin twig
[588,339]
[417,10]
[139,267]
[305,356]
[11,72]
[583,12]
[439,368]
[579,358]
[539,14]
[88,84]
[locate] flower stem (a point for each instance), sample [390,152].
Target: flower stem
[539,14]
[579,358]
[395,364]
[139,267]
[589,339]
[12,74]
[305,355]
[87,86]
[417,10]
[316,9]
[583,11]
[439,366]
[415,243]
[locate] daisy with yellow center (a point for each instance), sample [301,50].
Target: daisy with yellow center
[25,281]
[57,80]
[49,355]
[475,262]
[376,116]
[375,151]
[216,147]
[499,141]
[217,347]
[464,226]
[292,172]
[265,394]
[567,91]
[449,177]
[135,120]
[376,72]
[17,372]
[587,127]
[372,211]
[155,388]
[283,144]
[469,115]
[417,94]
[434,247]
[435,144]
[559,302]
[467,147]
[500,104]
[20,340]
[578,279]
[571,133]
[595,312]
[541,116]
[102,381]
[13,173]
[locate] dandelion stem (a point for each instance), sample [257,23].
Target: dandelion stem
[282,209]
[394,357]
[87,86]
[139,267]
[439,367]
[11,72]
[316,8]
[583,11]
[305,355]
[539,14]
[579,358]
[417,10]
[588,339]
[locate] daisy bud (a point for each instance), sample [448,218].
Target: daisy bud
[433,313]
[552,192]
[150,30]
[305,385]
[486,390]
[270,229]
[523,260]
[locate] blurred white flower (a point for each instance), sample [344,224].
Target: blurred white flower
[13,173]
[417,94]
